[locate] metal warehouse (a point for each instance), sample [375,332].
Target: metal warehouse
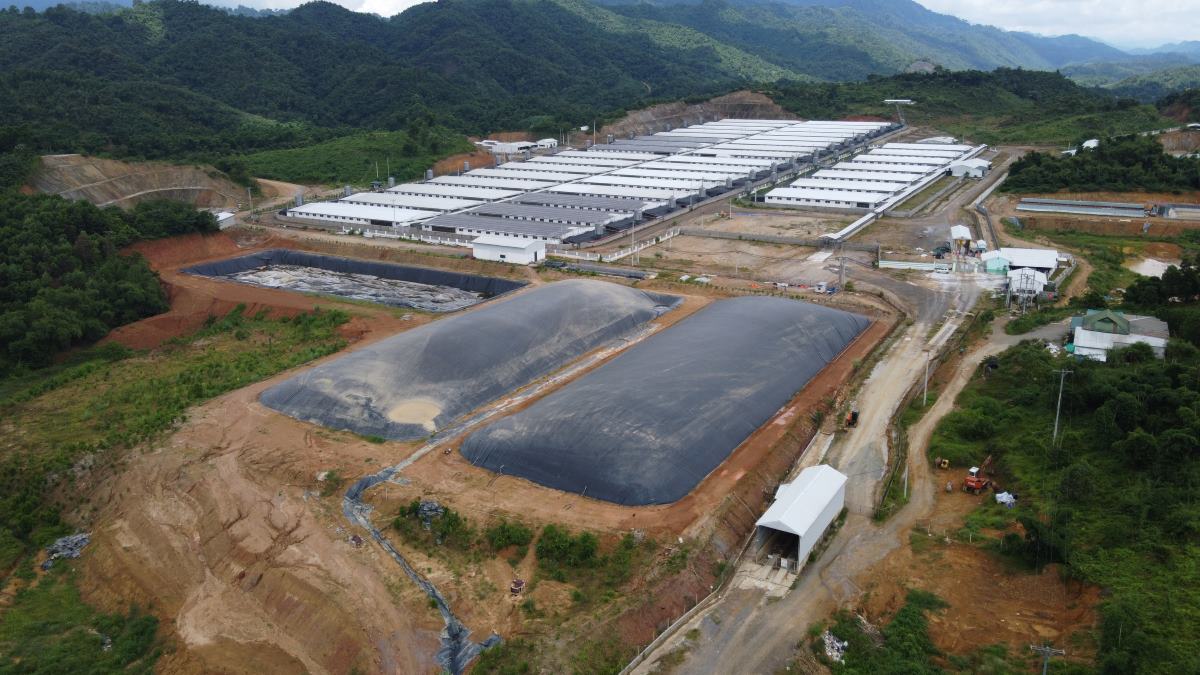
[551,214]
[682,174]
[590,160]
[884,176]
[851,185]
[656,194]
[485,181]
[459,191]
[508,172]
[470,224]
[614,204]
[901,159]
[667,183]
[614,154]
[358,214]
[420,202]
[882,167]
[838,199]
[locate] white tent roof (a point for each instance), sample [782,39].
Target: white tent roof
[799,503]
[508,242]
[959,232]
[973,163]
[1038,278]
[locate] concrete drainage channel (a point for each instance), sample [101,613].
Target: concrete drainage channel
[457,649]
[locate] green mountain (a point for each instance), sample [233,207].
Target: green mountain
[1107,73]
[176,79]
[1002,106]
[1155,85]
[849,39]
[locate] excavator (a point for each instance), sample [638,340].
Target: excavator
[975,482]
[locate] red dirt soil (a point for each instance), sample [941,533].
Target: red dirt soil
[194,298]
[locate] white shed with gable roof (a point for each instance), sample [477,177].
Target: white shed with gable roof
[804,508]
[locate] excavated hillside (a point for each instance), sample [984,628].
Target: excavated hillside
[738,105]
[109,182]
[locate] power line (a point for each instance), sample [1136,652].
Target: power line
[1061,381]
[1047,652]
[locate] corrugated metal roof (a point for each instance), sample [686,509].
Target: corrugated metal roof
[882,167]
[798,504]
[828,195]
[852,185]
[885,176]
[463,191]
[552,213]
[505,225]
[507,242]
[874,156]
[366,211]
[482,181]
[620,191]
[423,202]
[618,204]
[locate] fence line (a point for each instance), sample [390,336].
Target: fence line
[776,239]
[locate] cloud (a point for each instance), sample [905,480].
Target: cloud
[1146,23]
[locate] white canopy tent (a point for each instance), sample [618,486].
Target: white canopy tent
[805,508]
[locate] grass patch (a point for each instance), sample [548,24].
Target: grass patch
[1036,319]
[930,190]
[356,158]
[1113,499]
[512,657]
[49,629]
[906,647]
[111,400]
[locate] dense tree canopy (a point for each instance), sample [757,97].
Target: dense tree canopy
[1114,498]
[1118,165]
[62,280]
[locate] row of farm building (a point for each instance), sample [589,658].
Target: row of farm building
[881,177]
[578,195]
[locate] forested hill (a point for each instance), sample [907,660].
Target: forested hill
[178,79]
[849,39]
[166,77]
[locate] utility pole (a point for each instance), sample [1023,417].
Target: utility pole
[1061,381]
[250,196]
[1046,652]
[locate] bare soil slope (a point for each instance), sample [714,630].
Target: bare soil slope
[739,104]
[108,182]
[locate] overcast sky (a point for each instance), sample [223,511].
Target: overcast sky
[1124,23]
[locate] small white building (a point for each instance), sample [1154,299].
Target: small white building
[960,236]
[970,168]
[1001,260]
[225,219]
[508,249]
[803,510]
[547,144]
[1026,281]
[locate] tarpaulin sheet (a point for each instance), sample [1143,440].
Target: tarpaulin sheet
[649,425]
[410,385]
[488,286]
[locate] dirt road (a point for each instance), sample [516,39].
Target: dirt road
[747,630]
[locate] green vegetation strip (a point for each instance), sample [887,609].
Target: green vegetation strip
[1116,165]
[49,629]
[1113,498]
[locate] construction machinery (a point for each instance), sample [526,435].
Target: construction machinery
[941,462]
[852,417]
[975,482]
